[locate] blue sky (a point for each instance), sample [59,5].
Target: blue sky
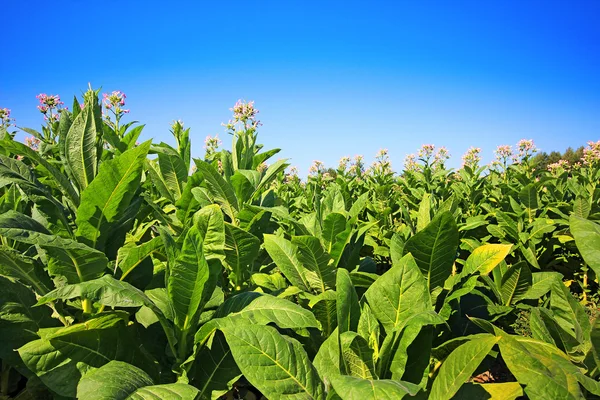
[330,78]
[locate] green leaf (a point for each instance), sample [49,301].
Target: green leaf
[276,365]
[399,294]
[324,307]
[255,308]
[219,189]
[434,249]
[107,197]
[587,239]
[333,225]
[460,365]
[492,391]
[368,327]
[320,274]
[173,171]
[63,182]
[241,249]
[515,283]
[190,280]
[115,380]
[210,224]
[285,255]
[485,258]
[62,357]
[16,266]
[216,370]
[81,142]
[424,214]
[529,197]
[353,388]
[348,308]
[535,365]
[568,313]
[75,261]
[131,256]
[541,283]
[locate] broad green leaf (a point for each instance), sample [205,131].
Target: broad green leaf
[460,365]
[131,256]
[187,204]
[190,280]
[399,294]
[61,358]
[434,249]
[320,274]
[171,391]
[107,197]
[158,181]
[276,365]
[348,308]
[333,225]
[353,388]
[27,270]
[587,239]
[241,250]
[515,283]
[568,313]
[216,370]
[529,197]
[368,327]
[210,224]
[485,258]
[256,308]
[357,356]
[535,366]
[66,257]
[324,308]
[270,175]
[81,142]
[490,391]
[116,380]
[220,190]
[173,171]
[541,283]
[424,214]
[285,255]
[19,320]
[63,182]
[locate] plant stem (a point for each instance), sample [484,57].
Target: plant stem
[4,379]
[87,306]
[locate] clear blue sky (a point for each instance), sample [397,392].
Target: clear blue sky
[330,78]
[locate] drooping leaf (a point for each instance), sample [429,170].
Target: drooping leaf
[241,249]
[434,249]
[515,283]
[529,197]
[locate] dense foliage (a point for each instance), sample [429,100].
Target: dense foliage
[130,270]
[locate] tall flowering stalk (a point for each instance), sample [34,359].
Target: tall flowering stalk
[211,146]
[5,119]
[472,158]
[114,103]
[50,106]
[243,127]
[591,154]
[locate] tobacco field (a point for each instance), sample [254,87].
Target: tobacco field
[130,270]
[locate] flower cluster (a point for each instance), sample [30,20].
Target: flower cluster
[5,119]
[48,103]
[244,113]
[526,149]
[559,166]
[503,152]
[316,168]
[262,167]
[591,154]
[358,166]
[115,101]
[440,157]
[472,158]
[211,145]
[32,142]
[410,163]
[426,152]
[343,164]
[382,164]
